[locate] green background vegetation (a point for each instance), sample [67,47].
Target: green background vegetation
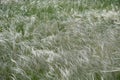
[60,40]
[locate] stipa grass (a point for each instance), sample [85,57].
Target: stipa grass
[59,40]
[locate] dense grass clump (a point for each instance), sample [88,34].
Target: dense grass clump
[59,40]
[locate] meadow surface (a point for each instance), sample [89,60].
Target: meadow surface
[59,39]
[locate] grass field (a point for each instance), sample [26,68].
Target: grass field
[59,39]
